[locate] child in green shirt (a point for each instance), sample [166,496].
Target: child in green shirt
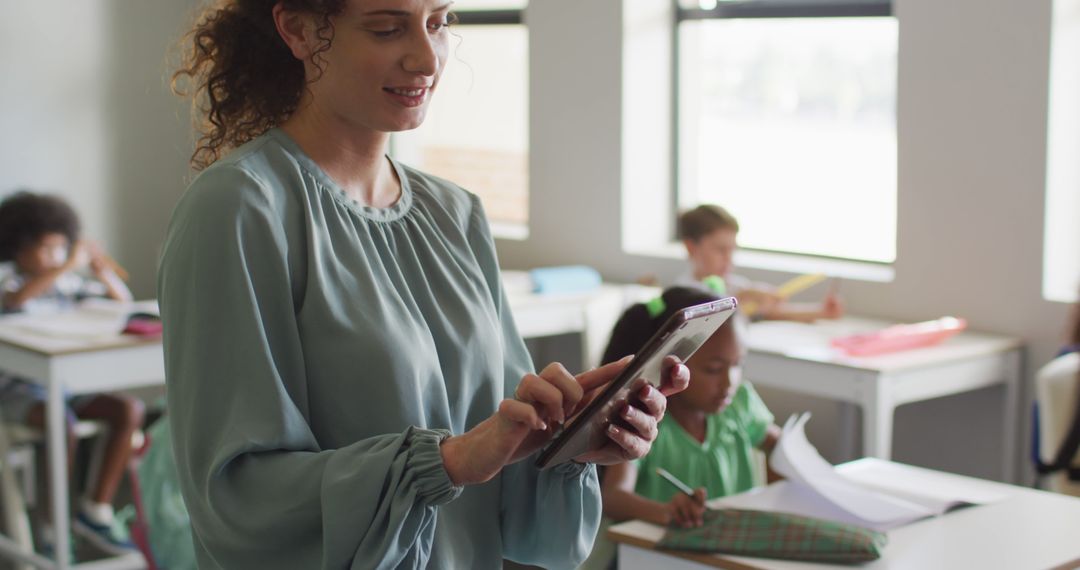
[710,434]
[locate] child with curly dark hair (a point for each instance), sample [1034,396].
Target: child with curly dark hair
[41,256]
[39,239]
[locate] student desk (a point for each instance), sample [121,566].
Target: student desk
[1030,529]
[797,357]
[591,314]
[70,365]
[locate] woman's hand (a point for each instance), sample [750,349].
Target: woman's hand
[642,414]
[686,511]
[526,423]
[523,424]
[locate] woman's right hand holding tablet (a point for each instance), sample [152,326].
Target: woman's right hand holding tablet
[527,422]
[523,424]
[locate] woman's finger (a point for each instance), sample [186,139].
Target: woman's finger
[652,401]
[557,375]
[643,423]
[631,444]
[538,391]
[522,413]
[597,377]
[675,374]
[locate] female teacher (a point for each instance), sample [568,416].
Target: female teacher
[346,384]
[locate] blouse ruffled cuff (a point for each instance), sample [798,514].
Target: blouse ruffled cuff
[425,460]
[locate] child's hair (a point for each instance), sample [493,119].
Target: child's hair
[638,323]
[26,217]
[705,219]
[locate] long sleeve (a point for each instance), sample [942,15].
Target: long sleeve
[261,491]
[548,518]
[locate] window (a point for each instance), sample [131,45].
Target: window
[1061,252]
[786,116]
[476,131]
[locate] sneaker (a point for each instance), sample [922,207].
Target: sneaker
[111,539]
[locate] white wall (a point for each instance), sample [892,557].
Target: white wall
[85,112]
[972,128]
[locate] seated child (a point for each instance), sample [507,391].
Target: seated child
[1057,416]
[40,253]
[711,430]
[709,234]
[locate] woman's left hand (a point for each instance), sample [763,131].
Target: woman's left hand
[641,415]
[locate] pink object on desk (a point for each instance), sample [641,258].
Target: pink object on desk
[900,337]
[139,326]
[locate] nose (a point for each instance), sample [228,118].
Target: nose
[423,54]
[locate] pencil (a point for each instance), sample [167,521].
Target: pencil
[675,481]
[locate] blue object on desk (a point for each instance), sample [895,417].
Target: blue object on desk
[565,279]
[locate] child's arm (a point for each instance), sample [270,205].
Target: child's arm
[115,287]
[830,308]
[622,503]
[772,435]
[39,284]
[757,301]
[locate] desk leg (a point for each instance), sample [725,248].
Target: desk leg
[56,435]
[878,408]
[1012,403]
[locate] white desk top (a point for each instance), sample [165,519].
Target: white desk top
[92,327]
[811,342]
[1030,529]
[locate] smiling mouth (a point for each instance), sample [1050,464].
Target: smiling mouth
[410,92]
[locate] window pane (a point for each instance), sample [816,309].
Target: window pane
[791,125]
[1061,255]
[476,132]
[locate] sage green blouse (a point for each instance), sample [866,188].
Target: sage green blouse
[317,351]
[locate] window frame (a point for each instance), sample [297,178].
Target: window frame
[760,9]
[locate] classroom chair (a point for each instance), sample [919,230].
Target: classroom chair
[1055,400]
[18,479]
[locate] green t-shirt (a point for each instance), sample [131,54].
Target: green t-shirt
[724,464]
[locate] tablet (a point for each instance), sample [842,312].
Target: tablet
[681,336]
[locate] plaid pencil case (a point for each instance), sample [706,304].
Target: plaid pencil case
[777,535]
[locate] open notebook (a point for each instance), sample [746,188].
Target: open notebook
[91,319]
[880,496]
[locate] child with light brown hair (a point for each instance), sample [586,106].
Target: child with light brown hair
[709,234]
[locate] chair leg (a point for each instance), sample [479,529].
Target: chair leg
[16,518]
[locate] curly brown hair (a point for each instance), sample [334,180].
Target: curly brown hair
[240,74]
[26,217]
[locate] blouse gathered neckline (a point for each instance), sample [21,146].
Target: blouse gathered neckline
[390,213]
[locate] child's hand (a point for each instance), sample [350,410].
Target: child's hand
[78,256]
[832,307]
[99,262]
[764,302]
[688,512]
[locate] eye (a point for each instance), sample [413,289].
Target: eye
[448,21]
[386,33]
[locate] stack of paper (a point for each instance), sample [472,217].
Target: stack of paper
[882,501]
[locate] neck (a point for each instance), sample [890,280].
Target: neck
[692,420]
[352,157]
